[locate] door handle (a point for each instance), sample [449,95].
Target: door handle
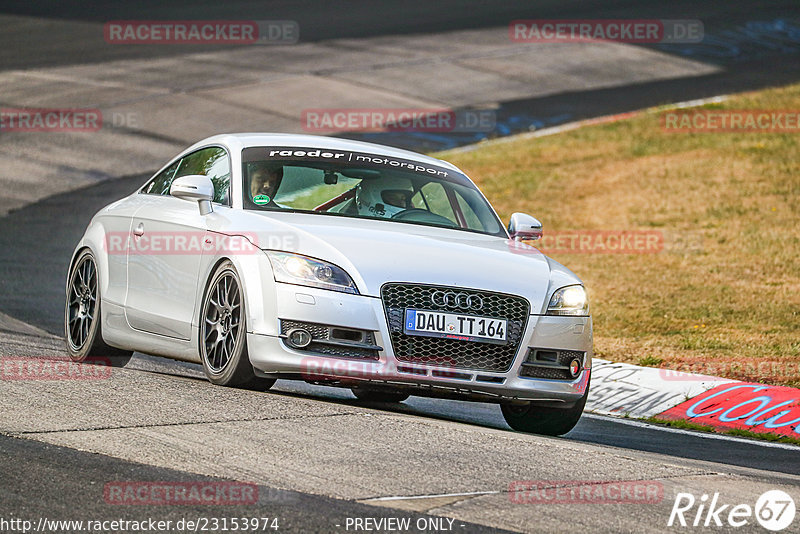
[139,231]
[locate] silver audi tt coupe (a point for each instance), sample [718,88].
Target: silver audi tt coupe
[266,256]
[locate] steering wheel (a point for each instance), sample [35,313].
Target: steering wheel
[423,216]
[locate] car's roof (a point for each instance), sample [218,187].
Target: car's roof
[244,140]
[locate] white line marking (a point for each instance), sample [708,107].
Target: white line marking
[694,433]
[45,75]
[569,126]
[403,498]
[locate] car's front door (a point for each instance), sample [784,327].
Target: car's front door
[168,236]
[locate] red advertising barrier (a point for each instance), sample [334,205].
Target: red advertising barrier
[755,407]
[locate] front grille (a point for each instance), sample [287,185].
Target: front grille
[453,352]
[550,364]
[324,333]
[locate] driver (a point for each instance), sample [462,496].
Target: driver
[265,179]
[384,197]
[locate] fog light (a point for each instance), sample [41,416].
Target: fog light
[575,367]
[298,338]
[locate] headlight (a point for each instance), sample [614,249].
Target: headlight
[305,271]
[570,300]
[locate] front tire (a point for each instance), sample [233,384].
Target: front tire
[223,342]
[83,331]
[541,420]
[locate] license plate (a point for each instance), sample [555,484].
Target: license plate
[455,326]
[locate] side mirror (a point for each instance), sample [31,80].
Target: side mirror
[194,187]
[523,227]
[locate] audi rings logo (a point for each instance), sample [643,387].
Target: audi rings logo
[451,299]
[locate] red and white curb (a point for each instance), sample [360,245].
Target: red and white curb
[623,389]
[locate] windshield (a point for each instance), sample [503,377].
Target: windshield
[365,186]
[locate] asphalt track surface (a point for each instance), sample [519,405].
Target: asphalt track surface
[40,479]
[751,56]
[329,20]
[76,492]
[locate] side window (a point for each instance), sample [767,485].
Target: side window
[212,162]
[160,183]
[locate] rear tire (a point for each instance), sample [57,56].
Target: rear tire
[223,333]
[539,420]
[376,395]
[83,331]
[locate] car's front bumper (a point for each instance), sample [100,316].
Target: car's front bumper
[270,354]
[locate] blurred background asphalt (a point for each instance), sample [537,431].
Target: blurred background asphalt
[158,99]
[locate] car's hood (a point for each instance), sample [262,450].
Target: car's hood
[376,252]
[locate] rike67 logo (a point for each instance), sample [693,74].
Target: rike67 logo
[774,510]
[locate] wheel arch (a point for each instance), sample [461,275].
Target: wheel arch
[258,285]
[209,273]
[75,255]
[94,239]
